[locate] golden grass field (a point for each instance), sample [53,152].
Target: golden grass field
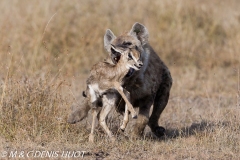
[48,47]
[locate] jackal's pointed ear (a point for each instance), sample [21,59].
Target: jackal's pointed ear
[141,32]
[108,38]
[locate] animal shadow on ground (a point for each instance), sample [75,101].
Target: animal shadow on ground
[193,129]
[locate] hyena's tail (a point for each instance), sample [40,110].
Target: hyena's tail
[79,113]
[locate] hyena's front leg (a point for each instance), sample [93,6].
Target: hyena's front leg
[160,103]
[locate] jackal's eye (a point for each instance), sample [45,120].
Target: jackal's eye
[114,51]
[130,56]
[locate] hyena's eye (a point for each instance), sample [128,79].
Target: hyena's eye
[127,43]
[130,56]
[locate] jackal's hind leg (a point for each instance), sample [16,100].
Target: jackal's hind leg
[102,120]
[94,114]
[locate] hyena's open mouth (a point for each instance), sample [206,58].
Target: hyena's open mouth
[130,72]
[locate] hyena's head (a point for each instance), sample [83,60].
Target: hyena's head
[128,57]
[133,41]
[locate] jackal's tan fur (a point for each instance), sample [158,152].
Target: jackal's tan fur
[105,76]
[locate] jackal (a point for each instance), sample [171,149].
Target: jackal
[149,86]
[105,76]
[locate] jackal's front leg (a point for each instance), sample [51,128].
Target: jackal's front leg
[119,88]
[126,114]
[125,119]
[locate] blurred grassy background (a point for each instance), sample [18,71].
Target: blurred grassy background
[43,35]
[48,47]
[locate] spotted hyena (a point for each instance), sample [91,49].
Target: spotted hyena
[149,86]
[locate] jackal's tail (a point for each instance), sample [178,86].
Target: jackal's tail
[79,113]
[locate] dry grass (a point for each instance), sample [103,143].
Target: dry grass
[47,48]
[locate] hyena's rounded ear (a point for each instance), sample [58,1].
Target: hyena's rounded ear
[141,32]
[108,38]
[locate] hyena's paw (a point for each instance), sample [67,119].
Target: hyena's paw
[159,131]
